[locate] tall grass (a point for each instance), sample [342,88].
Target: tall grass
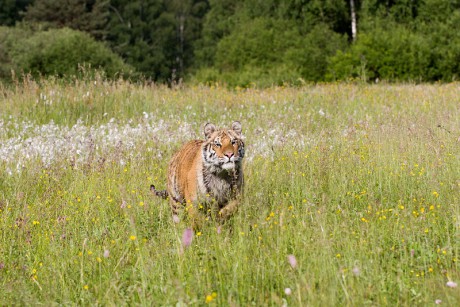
[360,183]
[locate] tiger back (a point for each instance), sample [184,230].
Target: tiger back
[208,173]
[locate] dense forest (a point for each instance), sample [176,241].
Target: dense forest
[236,42]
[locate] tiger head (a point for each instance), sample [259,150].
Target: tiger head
[223,148]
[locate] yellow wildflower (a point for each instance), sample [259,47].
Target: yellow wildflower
[210,297]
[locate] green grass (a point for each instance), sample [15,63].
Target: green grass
[361,183]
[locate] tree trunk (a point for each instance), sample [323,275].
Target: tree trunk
[353,20]
[181,42]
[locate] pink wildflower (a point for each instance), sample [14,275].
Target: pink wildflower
[292,261]
[187,237]
[356,271]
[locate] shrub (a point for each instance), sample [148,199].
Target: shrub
[261,42]
[9,36]
[62,52]
[445,48]
[272,52]
[311,56]
[396,54]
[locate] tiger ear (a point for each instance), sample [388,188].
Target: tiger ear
[236,126]
[208,130]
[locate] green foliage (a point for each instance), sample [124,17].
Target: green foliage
[444,47]
[266,51]
[396,54]
[218,22]
[257,48]
[272,43]
[436,12]
[260,42]
[249,76]
[83,15]
[246,42]
[304,14]
[9,37]
[140,33]
[156,37]
[397,41]
[11,10]
[312,55]
[63,52]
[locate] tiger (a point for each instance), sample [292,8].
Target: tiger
[207,174]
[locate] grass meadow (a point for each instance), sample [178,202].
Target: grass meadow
[352,196]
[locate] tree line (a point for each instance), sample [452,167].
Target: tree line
[238,42]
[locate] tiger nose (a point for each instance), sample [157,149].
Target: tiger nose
[229,154]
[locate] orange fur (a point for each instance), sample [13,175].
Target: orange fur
[208,173]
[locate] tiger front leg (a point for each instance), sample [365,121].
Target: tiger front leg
[228,210]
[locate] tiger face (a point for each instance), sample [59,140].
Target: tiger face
[223,149]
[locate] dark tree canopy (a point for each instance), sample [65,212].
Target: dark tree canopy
[85,15]
[241,42]
[156,37]
[10,11]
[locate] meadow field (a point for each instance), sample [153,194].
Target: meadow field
[352,196]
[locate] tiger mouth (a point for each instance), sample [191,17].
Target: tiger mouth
[228,165]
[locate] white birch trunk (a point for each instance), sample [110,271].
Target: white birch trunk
[353,20]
